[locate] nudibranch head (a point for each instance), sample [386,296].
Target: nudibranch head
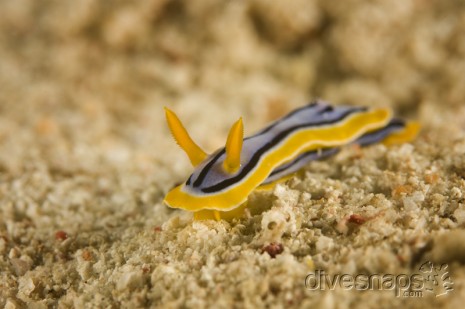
[210,171]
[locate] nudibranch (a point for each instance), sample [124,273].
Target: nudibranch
[221,182]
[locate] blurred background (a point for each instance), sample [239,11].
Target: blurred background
[112,63]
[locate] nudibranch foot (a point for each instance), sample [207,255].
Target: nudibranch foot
[208,214]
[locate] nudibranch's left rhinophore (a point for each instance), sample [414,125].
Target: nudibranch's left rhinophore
[221,182]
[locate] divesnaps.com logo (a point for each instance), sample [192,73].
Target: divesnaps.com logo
[429,279]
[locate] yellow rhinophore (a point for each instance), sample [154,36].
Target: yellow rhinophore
[194,152]
[234,147]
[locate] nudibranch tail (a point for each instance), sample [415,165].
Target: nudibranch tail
[194,152]
[396,131]
[408,133]
[207,214]
[234,147]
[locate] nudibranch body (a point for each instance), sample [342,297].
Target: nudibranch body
[221,182]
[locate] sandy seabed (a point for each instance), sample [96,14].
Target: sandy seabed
[86,157]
